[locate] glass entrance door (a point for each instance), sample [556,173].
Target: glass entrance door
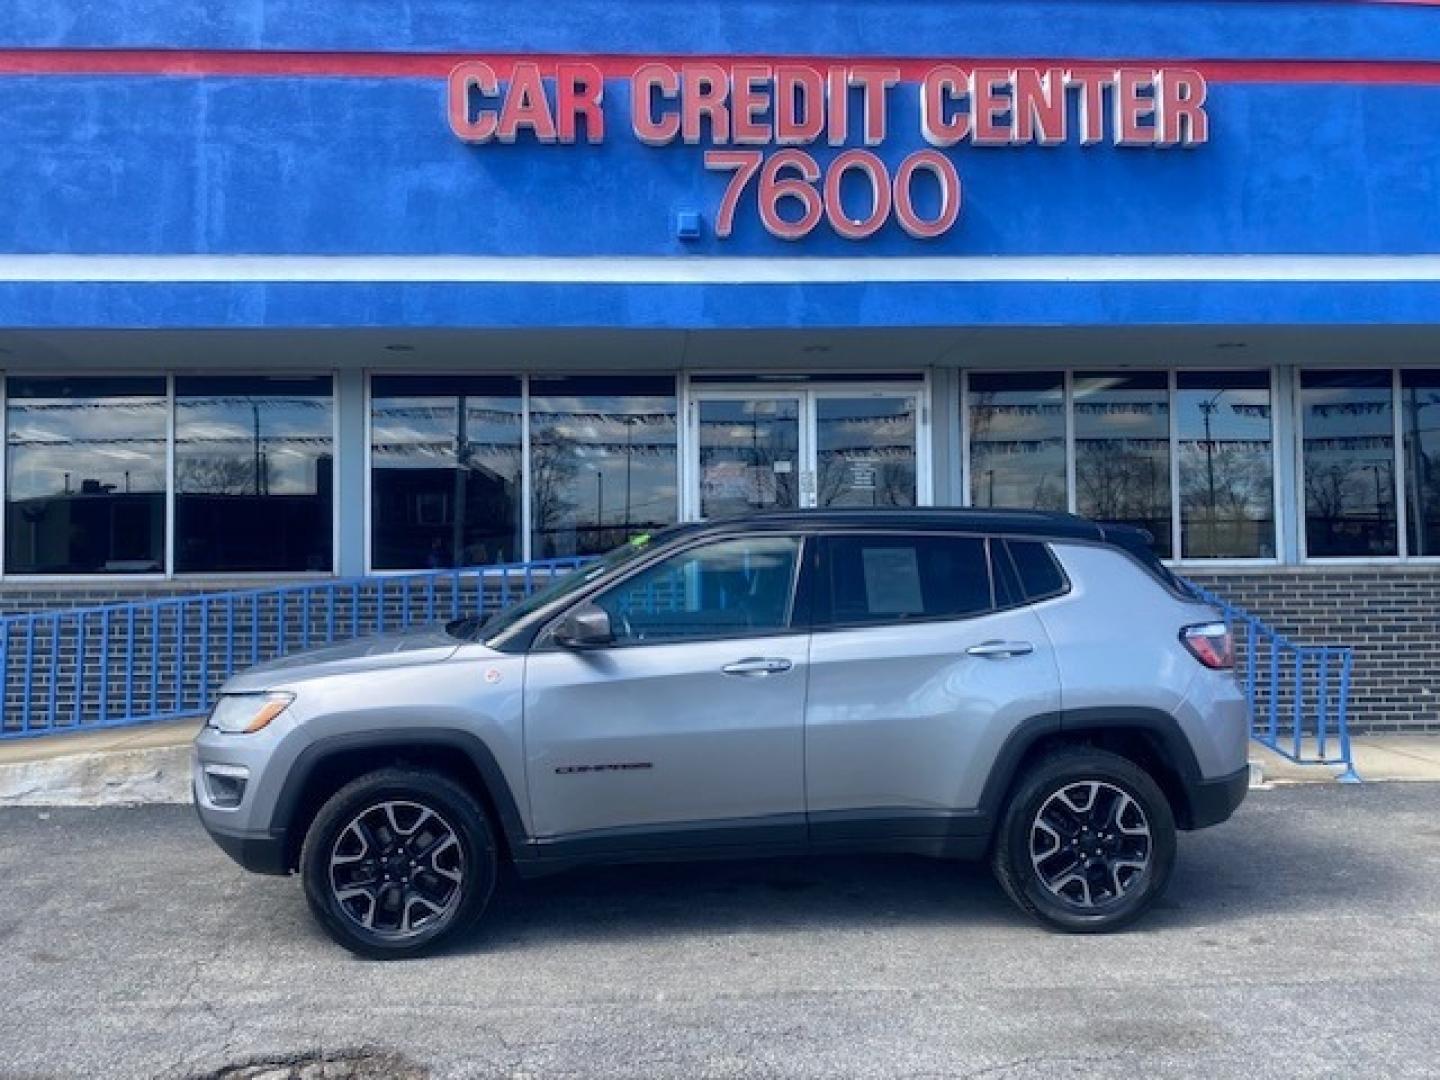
[867,449]
[749,451]
[767,449]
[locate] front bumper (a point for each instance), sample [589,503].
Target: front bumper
[262,854]
[245,828]
[1213,801]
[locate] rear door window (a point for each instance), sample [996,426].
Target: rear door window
[870,580]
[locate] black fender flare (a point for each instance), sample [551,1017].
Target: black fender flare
[497,789]
[1162,728]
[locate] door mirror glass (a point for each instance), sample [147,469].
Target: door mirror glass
[584,627]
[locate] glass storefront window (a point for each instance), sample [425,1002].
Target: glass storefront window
[445,457]
[1420,421]
[1227,505]
[1347,424]
[85,484]
[1017,441]
[603,461]
[1122,451]
[254,474]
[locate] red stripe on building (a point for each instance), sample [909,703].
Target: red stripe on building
[375,65]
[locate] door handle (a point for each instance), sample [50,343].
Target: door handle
[757,665]
[1001,650]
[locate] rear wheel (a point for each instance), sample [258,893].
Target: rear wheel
[397,862]
[1087,842]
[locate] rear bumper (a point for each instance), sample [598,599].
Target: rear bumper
[1213,801]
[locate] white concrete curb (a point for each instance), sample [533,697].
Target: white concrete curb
[159,774]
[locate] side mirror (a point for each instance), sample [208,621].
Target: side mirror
[584,627]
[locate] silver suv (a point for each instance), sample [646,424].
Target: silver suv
[1031,688]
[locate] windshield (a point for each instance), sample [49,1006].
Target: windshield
[498,623]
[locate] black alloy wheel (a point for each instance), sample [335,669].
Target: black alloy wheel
[1087,841]
[397,862]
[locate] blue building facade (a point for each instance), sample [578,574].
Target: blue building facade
[296,287]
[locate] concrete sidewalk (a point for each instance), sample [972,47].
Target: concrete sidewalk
[1377,757]
[151,764]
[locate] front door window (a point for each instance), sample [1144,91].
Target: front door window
[729,589]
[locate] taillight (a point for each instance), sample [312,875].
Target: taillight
[1211,644]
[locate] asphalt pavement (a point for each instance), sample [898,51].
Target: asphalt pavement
[1300,939]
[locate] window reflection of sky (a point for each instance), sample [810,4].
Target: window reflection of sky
[218,439]
[1017,441]
[580,446]
[117,442]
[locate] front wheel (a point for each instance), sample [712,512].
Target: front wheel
[397,862]
[1086,843]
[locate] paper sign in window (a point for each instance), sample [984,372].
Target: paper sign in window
[892,581]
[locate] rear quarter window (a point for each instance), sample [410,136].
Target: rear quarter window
[1036,568]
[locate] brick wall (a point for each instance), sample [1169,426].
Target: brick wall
[1390,616]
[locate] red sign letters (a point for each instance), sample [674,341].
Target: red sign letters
[731,108]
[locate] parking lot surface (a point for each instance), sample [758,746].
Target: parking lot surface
[1300,939]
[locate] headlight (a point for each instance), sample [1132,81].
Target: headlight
[244,714]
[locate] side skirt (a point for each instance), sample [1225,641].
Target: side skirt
[934,834]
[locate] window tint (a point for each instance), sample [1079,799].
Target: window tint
[731,588]
[1227,499]
[1349,453]
[254,473]
[891,579]
[603,461]
[1008,592]
[1017,440]
[445,471]
[1419,408]
[86,483]
[1122,451]
[1040,575]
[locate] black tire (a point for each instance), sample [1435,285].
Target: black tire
[1104,891]
[373,842]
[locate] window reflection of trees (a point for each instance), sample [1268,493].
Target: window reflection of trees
[1122,451]
[866,452]
[1420,412]
[741,444]
[1348,449]
[254,474]
[1226,466]
[446,471]
[1017,441]
[604,461]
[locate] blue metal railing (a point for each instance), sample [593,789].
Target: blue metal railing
[1299,695]
[164,658]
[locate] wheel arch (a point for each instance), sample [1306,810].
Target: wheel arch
[328,765]
[1150,738]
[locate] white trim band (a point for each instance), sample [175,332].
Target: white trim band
[714,269]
